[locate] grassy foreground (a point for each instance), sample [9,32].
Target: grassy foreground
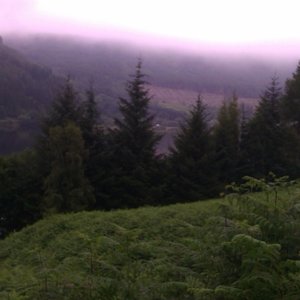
[245,246]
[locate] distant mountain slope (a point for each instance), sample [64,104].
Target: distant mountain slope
[175,80]
[109,63]
[24,86]
[25,90]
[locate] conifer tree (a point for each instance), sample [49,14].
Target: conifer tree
[267,145]
[245,165]
[291,100]
[66,187]
[98,166]
[192,158]
[227,139]
[134,144]
[62,155]
[135,130]
[64,108]
[89,118]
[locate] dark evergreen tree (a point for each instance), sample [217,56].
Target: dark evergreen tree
[64,109]
[192,167]
[66,187]
[227,140]
[290,109]
[267,144]
[134,142]
[291,100]
[20,191]
[98,163]
[62,155]
[245,164]
[135,130]
[89,119]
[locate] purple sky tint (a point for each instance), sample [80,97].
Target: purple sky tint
[234,26]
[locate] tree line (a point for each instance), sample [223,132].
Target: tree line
[78,164]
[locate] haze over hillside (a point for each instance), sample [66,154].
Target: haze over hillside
[175,77]
[105,61]
[25,91]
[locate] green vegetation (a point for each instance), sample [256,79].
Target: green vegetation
[245,246]
[227,139]
[192,160]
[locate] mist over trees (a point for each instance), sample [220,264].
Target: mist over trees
[107,65]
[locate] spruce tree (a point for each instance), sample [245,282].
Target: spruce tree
[291,100]
[193,175]
[227,139]
[98,166]
[135,130]
[290,109]
[62,155]
[89,118]
[245,164]
[66,187]
[267,144]
[64,109]
[134,144]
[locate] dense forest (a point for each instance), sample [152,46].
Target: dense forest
[78,163]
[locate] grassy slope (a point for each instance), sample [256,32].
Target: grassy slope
[146,253]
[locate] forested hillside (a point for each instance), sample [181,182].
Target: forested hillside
[26,89]
[108,63]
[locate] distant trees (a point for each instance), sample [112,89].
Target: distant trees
[62,154]
[66,186]
[290,108]
[291,100]
[269,143]
[263,145]
[192,159]
[227,140]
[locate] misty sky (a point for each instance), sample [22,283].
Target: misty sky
[227,22]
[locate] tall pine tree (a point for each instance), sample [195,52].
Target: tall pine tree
[89,119]
[227,140]
[65,108]
[66,187]
[134,145]
[62,155]
[269,145]
[192,172]
[291,100]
